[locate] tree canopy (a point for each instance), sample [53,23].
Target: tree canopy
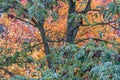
[78,38]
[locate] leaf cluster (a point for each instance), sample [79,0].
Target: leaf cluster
[92,61]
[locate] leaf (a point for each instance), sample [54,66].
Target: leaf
[30,59]
[54,15]
[107,14]
[84,16]
[72,16]
[74,1]
[100,34]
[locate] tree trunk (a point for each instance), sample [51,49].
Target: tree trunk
[71,34]
[45,42]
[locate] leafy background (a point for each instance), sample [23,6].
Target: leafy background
[22,50]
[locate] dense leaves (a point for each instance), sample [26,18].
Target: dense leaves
[72,62]
[61,58]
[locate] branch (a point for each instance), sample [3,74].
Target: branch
[5,10]
[5,61]
[80,23]
[57,41]
[18,8]
[114,27]
[101,23]
[94,10]
[47,30]
[8,72]
[24,21]
[96,39]
[88,7]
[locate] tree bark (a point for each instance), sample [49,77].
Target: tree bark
[72,30]
[45,42]
[71,34]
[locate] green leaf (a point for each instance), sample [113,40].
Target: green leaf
[84,16]
[54,15]
[30,59]
[72,16]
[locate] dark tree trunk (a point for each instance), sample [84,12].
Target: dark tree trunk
[72,30]
[45,42]
[71,33]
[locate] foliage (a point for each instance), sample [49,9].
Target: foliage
[18,77]
[91,61]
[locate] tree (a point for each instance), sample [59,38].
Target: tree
[35,13]
[77,19]
[74,20]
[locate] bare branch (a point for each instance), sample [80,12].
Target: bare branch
[57,41]
[96,39]
[114,27]
[101,23]
[24,21]
[94,10]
